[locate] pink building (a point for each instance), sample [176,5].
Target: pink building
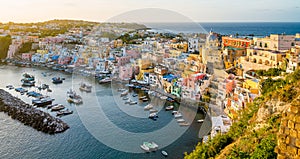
[26,56]
[64,60]
[133,54]
[123,60]
[125,72]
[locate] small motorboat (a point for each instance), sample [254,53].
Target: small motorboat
[10,87]
[57,80]
[42,101]
[105,80]
[127,101]
[57,107]
[177,115]
[148,107]
[134,95]
[143,97]
[124,93]
[133,102]
[153,115]
[171,107]
[153,110]
[180,120]
[149,146]
[200,121]
[125,98]
[174,112]
[85,87]
[52,105]
[27,83]
[145,148]
[28,77]
[64,112]
[164,153]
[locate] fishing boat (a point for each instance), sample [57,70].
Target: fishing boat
[85,87]
[57,107]
[21,90]
[52,105]
[42,101]
[64,112]
[72,97]
[33,94]
[57,80]
[171,107]
[28,77]
[105,80]
[27,83]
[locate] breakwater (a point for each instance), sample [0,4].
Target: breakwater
[28,115]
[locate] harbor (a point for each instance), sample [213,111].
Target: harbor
[104,94]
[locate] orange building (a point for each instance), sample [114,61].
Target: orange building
[235,42]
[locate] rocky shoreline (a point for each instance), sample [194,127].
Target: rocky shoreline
[25,113]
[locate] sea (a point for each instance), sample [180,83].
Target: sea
[257,29]
[103,127]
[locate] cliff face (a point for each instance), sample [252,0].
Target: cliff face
[267,128]
[288,144]
[29,115]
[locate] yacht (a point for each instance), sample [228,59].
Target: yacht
[148,107]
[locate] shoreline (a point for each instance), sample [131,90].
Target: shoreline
[28,115]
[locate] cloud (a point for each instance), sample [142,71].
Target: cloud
[70,4]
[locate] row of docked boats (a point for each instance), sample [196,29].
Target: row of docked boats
[179,118]
[59,109]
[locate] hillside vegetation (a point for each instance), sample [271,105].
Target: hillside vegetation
[253,135]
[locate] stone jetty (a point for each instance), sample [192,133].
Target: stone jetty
[25,113]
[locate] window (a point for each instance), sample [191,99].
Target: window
[293,44]
[266,45]
[260,44]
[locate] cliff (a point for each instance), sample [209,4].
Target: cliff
[267,128]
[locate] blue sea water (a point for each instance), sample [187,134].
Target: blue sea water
[20,141]
[243,29]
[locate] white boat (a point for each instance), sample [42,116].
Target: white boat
[127,101]
[124,93]
[174,112]
[148,107]
[200,120]
[125,98]
[164,153]
[145,148]
[178,115]
[180,120]
[149,146]
[171,107]
[85,87]
[143,97]
[58,107]
[133,102]
[153,115]
[153,110]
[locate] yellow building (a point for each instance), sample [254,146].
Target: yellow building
[42,51]
[252,85]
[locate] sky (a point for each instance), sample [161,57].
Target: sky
[196,10]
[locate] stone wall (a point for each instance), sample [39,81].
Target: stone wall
[288,143]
